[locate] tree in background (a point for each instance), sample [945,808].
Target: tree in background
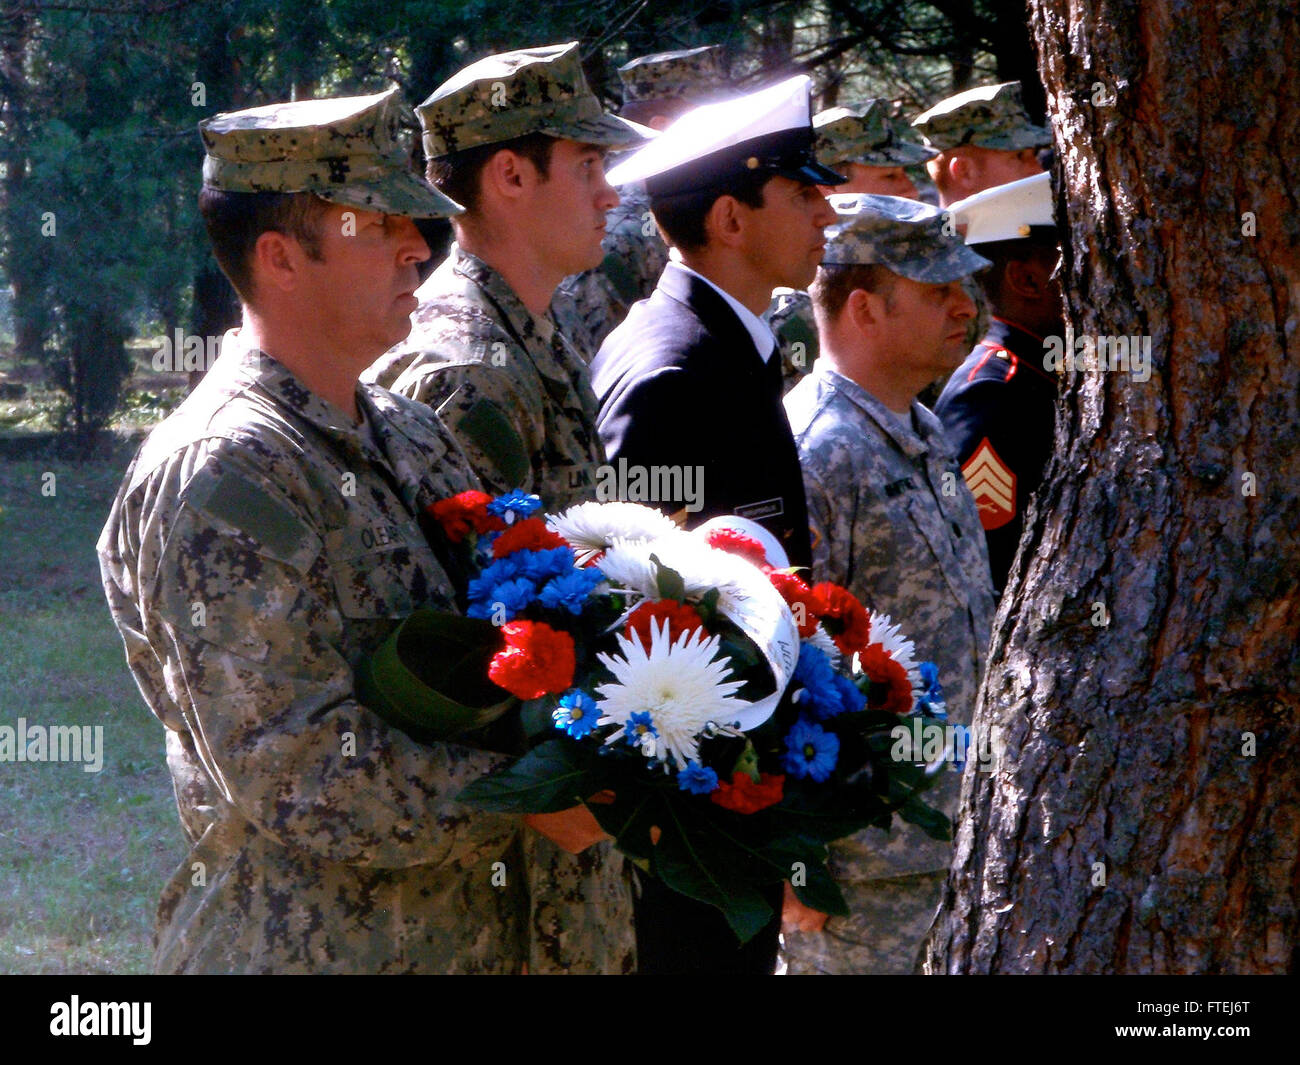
[1144,676]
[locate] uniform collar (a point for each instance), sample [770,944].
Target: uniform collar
[252,366]
[915,434]
[499,291]
[758,330]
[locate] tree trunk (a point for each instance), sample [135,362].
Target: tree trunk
[1144,673]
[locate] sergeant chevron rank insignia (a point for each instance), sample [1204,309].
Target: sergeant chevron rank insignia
[992,484]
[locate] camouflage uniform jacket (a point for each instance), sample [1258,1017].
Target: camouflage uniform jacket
[508,384]
[519,400]
[590,305]
[260,545]
[894,522]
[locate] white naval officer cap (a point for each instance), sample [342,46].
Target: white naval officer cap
[709,147]
[1012,211]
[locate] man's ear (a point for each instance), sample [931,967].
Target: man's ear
[725,222]
[1027,278]
[277,262]
[864,310]
[962,171]
[507,174]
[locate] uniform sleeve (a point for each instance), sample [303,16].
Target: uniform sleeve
[829,523]
[492,418]
[247,624]
[656,420]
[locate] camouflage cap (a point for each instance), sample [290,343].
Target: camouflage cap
[693,74]
[865,134]
[532,90]
[345,150]
[991,116]
[909,237]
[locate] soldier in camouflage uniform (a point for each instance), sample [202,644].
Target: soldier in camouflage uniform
[656,90]
[864,145]
[486,354]
[265,540]
[893,522]
[983,137]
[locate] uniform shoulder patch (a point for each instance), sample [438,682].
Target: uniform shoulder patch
[993,485]
[250,509]
[486,427]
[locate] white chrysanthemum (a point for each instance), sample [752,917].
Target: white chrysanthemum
[627,565]
[594,527]
[680,684]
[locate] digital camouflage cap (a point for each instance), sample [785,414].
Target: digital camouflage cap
[346,150]
[865,134]
[532,90]
[991,116]
[911,238]
[692,74]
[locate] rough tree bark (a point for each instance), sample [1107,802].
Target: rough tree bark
[1146,813]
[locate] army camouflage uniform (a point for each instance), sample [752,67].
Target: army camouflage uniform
[884,527]
[505,381]
[518,397]
[260,546]
[893,521]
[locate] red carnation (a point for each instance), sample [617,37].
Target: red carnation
[804,603]
[681,617]
[538,659]
[845,618]
[890,687]
[746,797]
[738,543]
[531,534]
[465,511]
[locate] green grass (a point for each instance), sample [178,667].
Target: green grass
[83,856]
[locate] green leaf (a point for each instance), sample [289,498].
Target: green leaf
[679,860]
[935,824]
[549,778]
[669,581]
[821,892]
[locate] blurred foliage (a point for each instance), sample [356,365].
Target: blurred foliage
[99,100]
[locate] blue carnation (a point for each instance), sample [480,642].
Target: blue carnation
[821,697]
[931,702]
[810,751]
[851,700]
[571,590]
[697,779]
[505,600]
[514,504]
[542,565]
[576,714]
[484,585]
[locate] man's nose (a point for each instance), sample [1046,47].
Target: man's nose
[607,197]
[415,249]
[965,304]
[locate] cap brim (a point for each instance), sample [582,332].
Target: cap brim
[958,263]
[608,131]
[400,193]
[1017,139]
[812,173]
